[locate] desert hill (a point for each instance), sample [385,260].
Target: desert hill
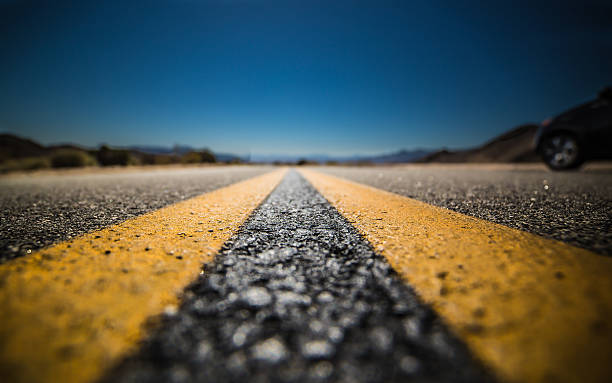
[515,145]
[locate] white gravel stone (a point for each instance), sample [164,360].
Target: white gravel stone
[317,349]
[325,297]
[257,297]
[270,351]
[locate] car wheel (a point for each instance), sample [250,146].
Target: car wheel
[561,152]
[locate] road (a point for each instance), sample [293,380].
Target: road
[307,276]
[41,210]
[574,207]
[299,287]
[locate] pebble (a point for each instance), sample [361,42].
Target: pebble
[409,364]
[317,349]
[325,297]
[382,339]
[270,351]
[257,297]
[287,298]
[321,370]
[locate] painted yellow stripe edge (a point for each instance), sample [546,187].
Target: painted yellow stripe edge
[69,311]
[532,309]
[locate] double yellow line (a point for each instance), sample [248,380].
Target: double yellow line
[531,309]
[70,310]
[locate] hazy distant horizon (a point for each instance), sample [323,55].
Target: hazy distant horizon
[259,154]
[279,154]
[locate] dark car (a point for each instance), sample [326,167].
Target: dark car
[581,134]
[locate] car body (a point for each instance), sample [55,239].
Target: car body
[580,134]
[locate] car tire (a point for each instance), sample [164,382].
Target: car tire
[561,151]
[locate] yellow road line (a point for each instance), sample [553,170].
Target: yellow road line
[68,311]
[533,309]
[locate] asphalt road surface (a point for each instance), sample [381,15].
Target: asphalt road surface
[574,207]
[298,294]
[36,211]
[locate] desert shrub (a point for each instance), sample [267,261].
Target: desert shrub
[191,158]
[35,163]
[134,160]
[208,156]
[147,159]
[198,157]
[109,157]
[28,163]
[69,158]
[304,161]
[165,159]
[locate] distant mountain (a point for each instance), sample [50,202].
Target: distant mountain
[227,157]
[12,146]
[400,156]
[512,146]
[176,149]
[182,149]
[289,158]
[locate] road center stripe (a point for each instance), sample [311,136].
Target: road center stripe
[69,311]
[531,308]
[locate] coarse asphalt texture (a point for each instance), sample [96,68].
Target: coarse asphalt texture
[298,296]
[573,207]
[39,210]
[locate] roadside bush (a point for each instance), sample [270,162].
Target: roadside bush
[134,160]
[199,157]
[109,157]
[69,158]
[208,156]
[28,163]
[304,161]
[191,158]
[35,163]
[165,159]
[147,159]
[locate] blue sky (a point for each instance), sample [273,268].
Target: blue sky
[300,77]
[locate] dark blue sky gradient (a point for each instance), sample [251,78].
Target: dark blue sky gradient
[336,77]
